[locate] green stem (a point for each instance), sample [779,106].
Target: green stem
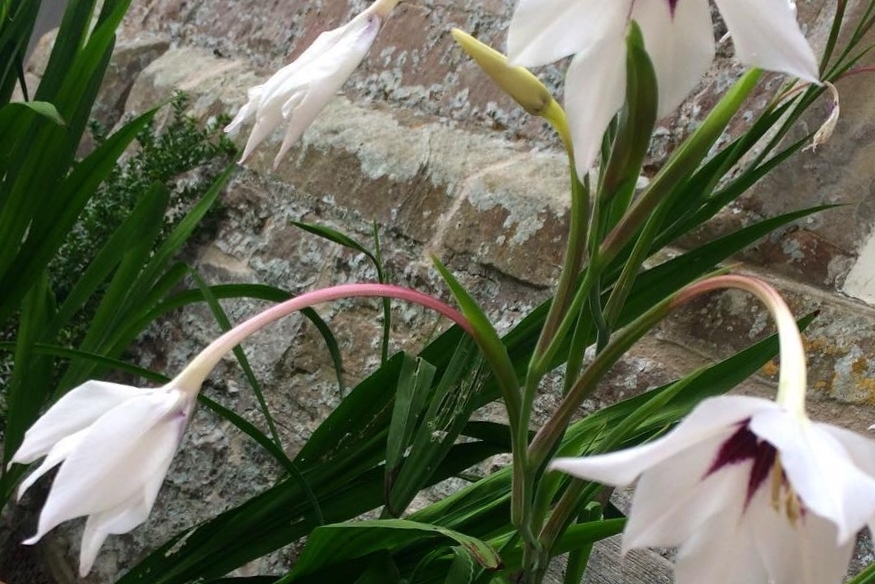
[551,432]
[577,351]
[571,265]
[687,158]
[640,252]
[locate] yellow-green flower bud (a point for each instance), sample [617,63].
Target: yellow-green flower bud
[517,82]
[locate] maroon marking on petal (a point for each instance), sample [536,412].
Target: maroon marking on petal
[762,466]
[740,447]
[745,446]
[672,4]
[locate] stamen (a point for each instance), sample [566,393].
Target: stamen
[777,479]
[789,503]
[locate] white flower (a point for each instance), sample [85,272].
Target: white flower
[299,91]
[751,492]
[678,36]
[114,444]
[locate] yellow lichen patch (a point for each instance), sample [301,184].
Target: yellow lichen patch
[867,386]
[821,346]
[770,369]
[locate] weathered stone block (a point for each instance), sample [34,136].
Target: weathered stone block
[514,217]
[214,84]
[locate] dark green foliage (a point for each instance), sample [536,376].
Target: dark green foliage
[182,156]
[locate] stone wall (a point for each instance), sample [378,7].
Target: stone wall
[424,146]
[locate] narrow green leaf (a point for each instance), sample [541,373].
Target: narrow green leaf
[29,387]
[490,343]
[461,569]
[13,114]
[46,236]
[334,544]
[681,164]
[330,344]
[336,237]
[414,383]
[449,407]
[365,410]
[225,326]
[115,299]
[381,570]
[636,122]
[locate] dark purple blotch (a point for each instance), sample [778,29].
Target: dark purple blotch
[742,446]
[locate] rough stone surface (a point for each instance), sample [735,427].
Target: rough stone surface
[448,174]
[414,64]
[838,173]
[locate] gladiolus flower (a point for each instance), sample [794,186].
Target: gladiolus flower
[678,36]
[298,92]
[114,443]
[750,489]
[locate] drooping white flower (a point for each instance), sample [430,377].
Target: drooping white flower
[114,444]
[751,490]
[678,36]
[298,92]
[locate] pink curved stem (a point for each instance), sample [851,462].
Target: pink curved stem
[194,374]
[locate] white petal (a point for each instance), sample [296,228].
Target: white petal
[328,42]
[766,35]
[674,498]
[248,110]
[121,519]
[595,87]
[808,455]
[333,65]
[542,31]
[804,553]
[680,45]
[56,456]
[298,92]
[721,552]
[266,120]
[122,453]
[859,448]
[301,110]
[77,409]
[710,418]
[324,77]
